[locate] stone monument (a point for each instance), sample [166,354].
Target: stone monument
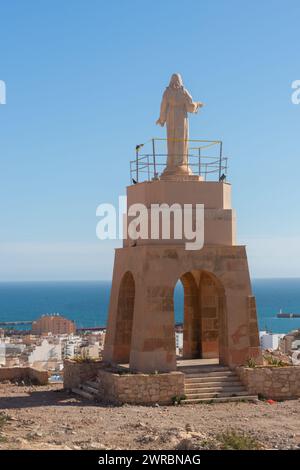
[219,308]
[176,103]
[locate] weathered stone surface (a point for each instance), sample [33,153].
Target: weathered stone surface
[219,308]
[140,388]
[24,373]
[75,373]
[272,382]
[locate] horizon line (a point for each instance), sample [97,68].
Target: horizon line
[110,280]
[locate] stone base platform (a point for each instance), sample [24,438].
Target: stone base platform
[118,385]
[194,381]
[179,177]
[140,389]
[277,383]
[188,385]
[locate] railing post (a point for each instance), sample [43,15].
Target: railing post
[137,164]
[199,161]
[148,165]
[154,157]
[130,173]
[220,160]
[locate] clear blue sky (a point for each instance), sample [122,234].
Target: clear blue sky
[84,82]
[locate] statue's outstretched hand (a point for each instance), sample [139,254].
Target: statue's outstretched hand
[200,104]
[158,122]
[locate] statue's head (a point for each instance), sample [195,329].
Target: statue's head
[176,81]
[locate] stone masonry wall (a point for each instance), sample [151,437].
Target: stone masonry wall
[24,373]
[140,389]
[272,382]
[76,373]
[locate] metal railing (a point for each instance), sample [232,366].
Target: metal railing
[205,158]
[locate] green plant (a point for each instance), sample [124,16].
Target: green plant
[3,419]
[261,397]
[177,399]
[274,361]
[209,444]
[83,359]
[251,362]
[234,440]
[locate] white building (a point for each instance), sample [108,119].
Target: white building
[71,346]
[179,342]
[9,350]
[90,350]
[270,340]
[69,349]
[46,351]
[2,354]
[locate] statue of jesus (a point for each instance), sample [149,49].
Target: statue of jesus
[176,103]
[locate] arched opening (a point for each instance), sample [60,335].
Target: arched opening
[179,320]
[122,343]
[203,316]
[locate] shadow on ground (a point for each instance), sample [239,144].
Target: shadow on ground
[36,398]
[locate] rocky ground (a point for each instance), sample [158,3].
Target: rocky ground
[35,417]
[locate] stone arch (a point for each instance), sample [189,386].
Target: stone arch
[124,321]
[191,317]
[204,326]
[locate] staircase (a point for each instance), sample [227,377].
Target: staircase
[203,384]
[213,384]
[88,390]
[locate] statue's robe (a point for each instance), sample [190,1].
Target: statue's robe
[175,105]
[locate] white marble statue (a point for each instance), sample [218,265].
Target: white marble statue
[176,103]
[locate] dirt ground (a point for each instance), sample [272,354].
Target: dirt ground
[35,417]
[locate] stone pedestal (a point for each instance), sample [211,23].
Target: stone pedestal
[179,173]
[219,309]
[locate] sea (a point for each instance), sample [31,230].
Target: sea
[87,302]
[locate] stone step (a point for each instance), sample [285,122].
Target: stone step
[207,380]
[202,369]
[210,374]
[89,389]
[194,401]
[83,393]
[92,383]
[228,388]
[213,384]
[215,394]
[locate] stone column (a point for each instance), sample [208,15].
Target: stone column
[153,334]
